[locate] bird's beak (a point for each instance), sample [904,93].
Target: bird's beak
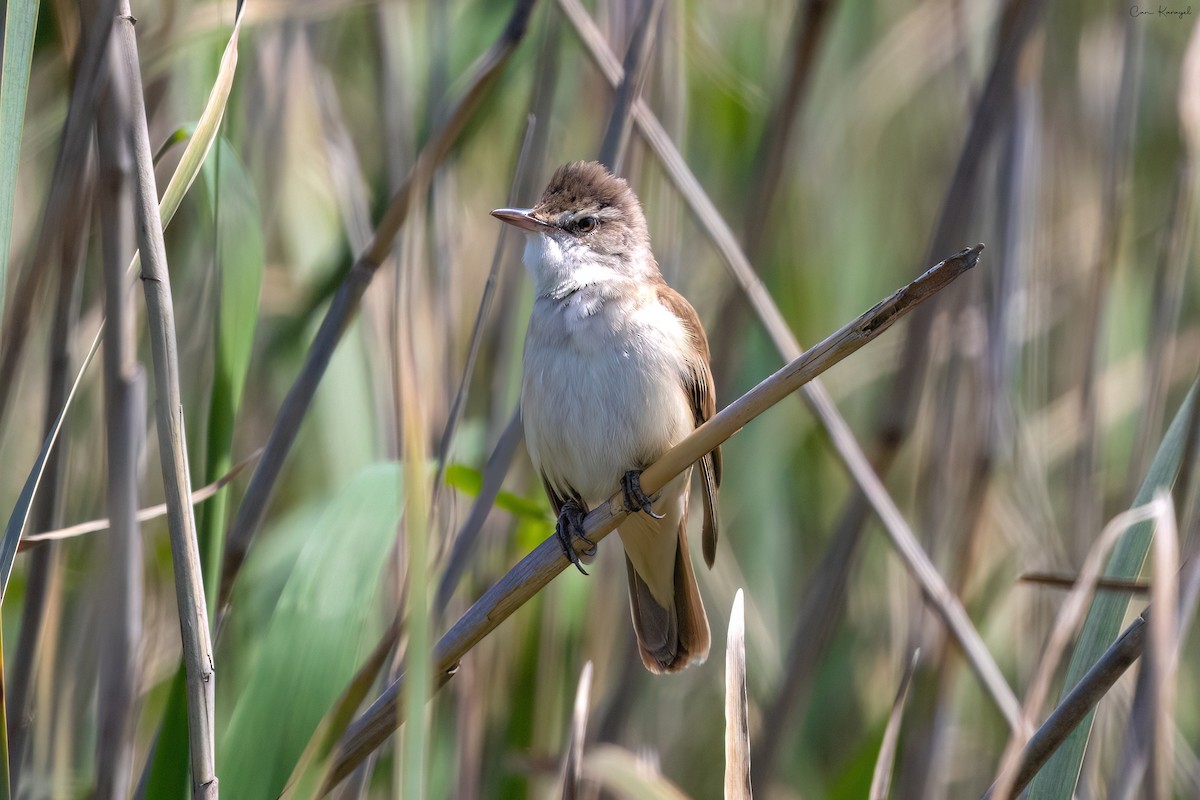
[522,218]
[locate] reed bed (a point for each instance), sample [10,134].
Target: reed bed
[247,272]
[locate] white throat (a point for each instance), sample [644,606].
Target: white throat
[560,266]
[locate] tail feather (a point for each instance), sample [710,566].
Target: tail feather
[671,637]
[656,627]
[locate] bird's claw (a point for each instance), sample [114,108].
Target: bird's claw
[569,528]
[635,498]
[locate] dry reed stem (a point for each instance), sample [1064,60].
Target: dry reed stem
[629,90]
[1068,581]
[573,758]
[818,399]
[189,586]
[737,706]
[809,28]
[1161,662]
[546,561]
[881,778]
[124,416]
[33,540]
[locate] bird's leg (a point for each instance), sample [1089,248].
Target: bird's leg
[635,498]
[569,528]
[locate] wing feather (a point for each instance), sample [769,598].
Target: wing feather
[699,384]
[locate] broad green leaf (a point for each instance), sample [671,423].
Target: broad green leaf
[314,761]
[228,193]
[533,510]
[1058,778]
[469,481]
[318,634]
[168,776]
[20,23]
[240,248]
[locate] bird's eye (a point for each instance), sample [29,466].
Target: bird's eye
[587,224]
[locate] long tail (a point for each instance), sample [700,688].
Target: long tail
[673,634]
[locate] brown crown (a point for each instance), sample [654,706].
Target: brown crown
[589,185]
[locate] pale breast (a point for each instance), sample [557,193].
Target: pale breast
[602,391]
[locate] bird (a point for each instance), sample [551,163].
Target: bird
[615,373]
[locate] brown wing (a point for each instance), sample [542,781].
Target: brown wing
[699,384]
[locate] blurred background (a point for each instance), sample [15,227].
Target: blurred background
[846,146]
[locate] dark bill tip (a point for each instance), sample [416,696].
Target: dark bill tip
[521,217]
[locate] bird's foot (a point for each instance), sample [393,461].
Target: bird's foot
[569,528]
[635,498]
